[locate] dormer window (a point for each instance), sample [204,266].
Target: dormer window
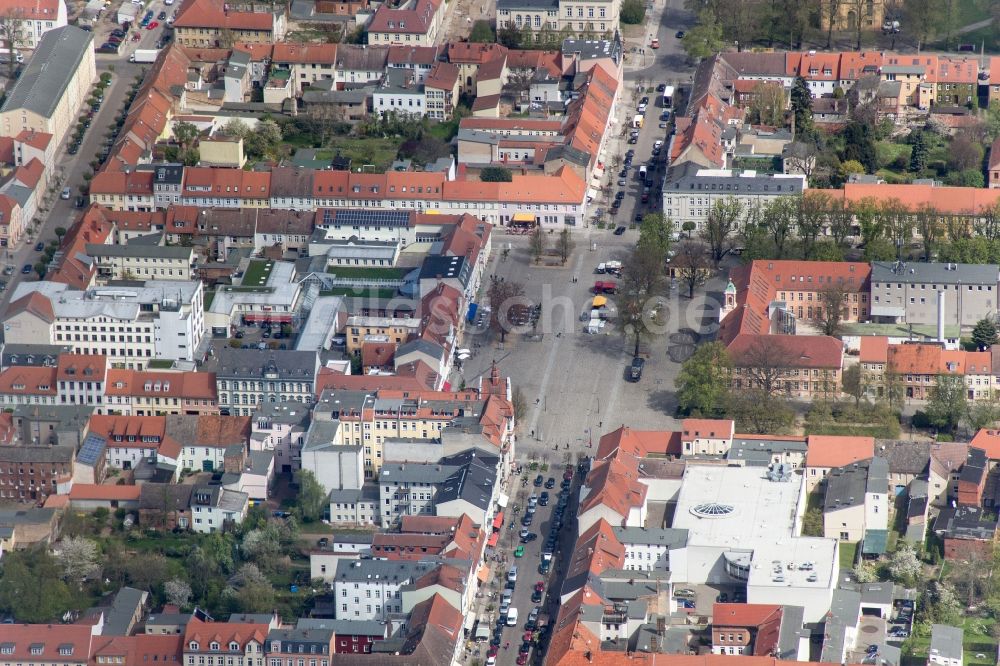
[193,645]
[37,648]
[234,646]
[213,646]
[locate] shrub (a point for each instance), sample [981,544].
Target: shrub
[633,12]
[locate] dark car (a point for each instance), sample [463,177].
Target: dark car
[551,483]
[536,596]
[39,246]
[543,499]
[635,370]
[679,34]
[118,32]
[526,521]
[629,153]
[323,542]
[529,537]
[26,269]
[644,100]
[162,16]
[661,87]
[617,203]
[538,480]
[665,115]
[619,195]
[73,149]
[638,218]
[80,202]
[619,231]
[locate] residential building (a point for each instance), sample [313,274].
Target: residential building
[533,14]
[441,88]
[247,378]
[152,393]
[914,292]
[967,532]
[53,86]
[350,636]
[828,452]
[281,427]
[372,589]
[38,644]
[129,324]
[242,642]
[946,645]
[691,192]
[142,261]
[30,472]
[399,93]
[750,629]
[217,509]
[207,441]
[212,23]
[307,63]
[856,504]
[36,17]
[285,646]
[414,24]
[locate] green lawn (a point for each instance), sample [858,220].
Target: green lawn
[359,291]
[257,273]
[160,364]
[368,272]
[362,151]
[976,641]
[848,551]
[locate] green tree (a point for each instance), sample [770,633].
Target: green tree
[859,144]
[904,566]
[634,319]
[496,174]
[565,245]
[482,33]
[60,232]
[720,225]
[832,302]
[827,250]
[984,334]
[801,100]
[705,38]
[40,268]
[31,587]
[757,411]
[947,403]
[854,386]
[919,152]
[703,381]
[312,497]
[633,12]
[656,234]
[849,167]
[982,414]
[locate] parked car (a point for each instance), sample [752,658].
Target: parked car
[538,480]
[26,269]
[39,246]
[619,231]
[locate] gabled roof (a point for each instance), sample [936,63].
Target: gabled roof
[614,484]
[36,304]
[215,14]
[638,443]
[49,71]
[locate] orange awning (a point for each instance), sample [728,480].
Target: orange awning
[492,541]
[483,574]
[498,521]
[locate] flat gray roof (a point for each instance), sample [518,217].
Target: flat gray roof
[914,272]
[49,71]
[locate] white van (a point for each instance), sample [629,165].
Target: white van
[512,617]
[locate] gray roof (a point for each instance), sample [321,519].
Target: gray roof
[669,537]
[251,618]
[590,49]
[321,435]
[877,593]
[473,481]
[44,80]
[37,454]
[343,627]
[419,345]
[843,615]
[119,618]
[903,456]
[965,522]
[367,493]
[289,411]
[759,451]
[935,273]
[946,641]
[846,486]
[685,178]
[256,364]
[164,174]
[33,355]
[392,571]
[530,5]
[444,266]
[790,632]
[169,496]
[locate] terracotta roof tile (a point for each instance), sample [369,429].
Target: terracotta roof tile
[838,450]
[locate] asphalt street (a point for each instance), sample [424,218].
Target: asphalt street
[56,212]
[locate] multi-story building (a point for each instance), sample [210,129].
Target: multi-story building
[399,93]
[217,509]
[229,643]
[535,15]
[913,293]
[39,644]
[246,378]
[213,23]
[856,505]
[308,63]
[148,393]
[31,472]
[131,325]
[745,629]
[281,427]
[53,86]
[691,192]
[393,330]
[36,18]
[286,646]
[142,261]
[372,589]
[441,88]
[350,636]
[415,25]
[129,440]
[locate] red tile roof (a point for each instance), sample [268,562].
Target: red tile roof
[34,10]
[405,21]
[638,443]
[614,484]
[838,450]
[710,428]
[81,367]
[797,351]
[325,54]
[114,492]
[34,303]
[874,349]
[988,440]
[28,380]
[215,14]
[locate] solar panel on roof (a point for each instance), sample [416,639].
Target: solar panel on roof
[91,449]
[382,218]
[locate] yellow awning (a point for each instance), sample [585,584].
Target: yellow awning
[523,217]
[600,301]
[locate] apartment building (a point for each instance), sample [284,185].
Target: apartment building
[129,440]
[691,192]
[31,472]
[217,509]
[441,89]
[246,378]
[535,15]
[286,646]
[232,643]
[36,17]
[152,393]
[856,505]
[372,589]
[307,63]
[131,325]
[399,93]
[38,644]
[912,293]
[142,261]
[214,23]
[53,86]
[413,24]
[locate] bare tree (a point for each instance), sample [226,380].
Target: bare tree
[691,264]
[831,13]
[11,24]
[928,223]
[639,280]
[720,226]
[764,362]
[768,104]
[778,217]
[565,245]
[537,244]
[832,307]
[841,220]
[987,223]
[503,295]
[810,216]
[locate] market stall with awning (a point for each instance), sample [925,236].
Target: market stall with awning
[498,521]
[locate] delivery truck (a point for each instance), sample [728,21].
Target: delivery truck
[144,55]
